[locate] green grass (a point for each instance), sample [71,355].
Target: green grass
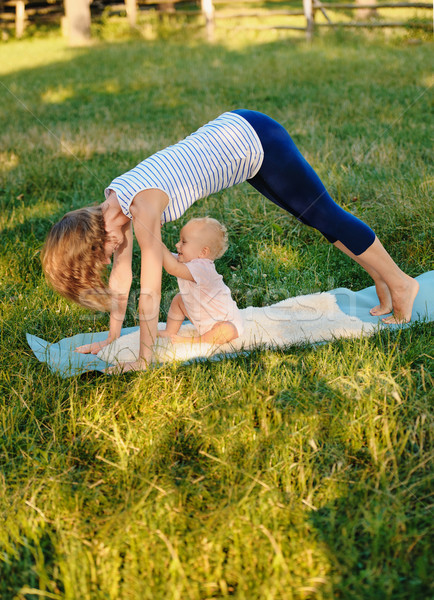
[296,474]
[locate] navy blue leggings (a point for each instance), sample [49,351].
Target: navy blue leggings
[287,179]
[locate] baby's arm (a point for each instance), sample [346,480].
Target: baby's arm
[173,267]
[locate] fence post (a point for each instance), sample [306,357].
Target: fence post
[131,6]
[166,7]
[77,21]
[208,12]
[365,13]
[20,18]
[308,13]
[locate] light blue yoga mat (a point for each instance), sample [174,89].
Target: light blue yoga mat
[61,358]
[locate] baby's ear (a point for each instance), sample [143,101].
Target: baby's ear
[205,252]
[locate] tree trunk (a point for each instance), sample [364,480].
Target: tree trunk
[77,21]
[309,14]
[208,12]
[131,6]
[20,18]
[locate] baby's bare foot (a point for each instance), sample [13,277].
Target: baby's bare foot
[180,339]
[163,333]
[403,300]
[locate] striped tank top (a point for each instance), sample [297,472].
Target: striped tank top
[220,154]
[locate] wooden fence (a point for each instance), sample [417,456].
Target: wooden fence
[18,13]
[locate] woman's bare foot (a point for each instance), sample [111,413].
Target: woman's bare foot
[385,306]
[403,300]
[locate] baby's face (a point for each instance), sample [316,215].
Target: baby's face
[192,242]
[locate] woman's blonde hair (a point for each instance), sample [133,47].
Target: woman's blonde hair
[73,258]
[218,244]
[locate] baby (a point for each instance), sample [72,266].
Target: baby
[203,297]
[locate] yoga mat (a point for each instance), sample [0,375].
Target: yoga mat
[311,318]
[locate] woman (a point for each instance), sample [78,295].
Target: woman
[240,145]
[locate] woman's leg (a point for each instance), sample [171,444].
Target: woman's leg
[287,179]
[383,293]
[396,290]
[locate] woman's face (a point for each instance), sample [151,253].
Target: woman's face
[110,246]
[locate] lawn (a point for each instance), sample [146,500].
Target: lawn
[296,474]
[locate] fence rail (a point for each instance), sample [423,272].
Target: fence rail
[21,12]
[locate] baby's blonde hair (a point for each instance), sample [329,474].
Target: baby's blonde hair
[219,242]
[73,258]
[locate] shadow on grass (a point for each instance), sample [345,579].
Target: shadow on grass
[374,538]
[378,542]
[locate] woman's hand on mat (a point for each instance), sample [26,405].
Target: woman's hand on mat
[138,365]
[93,348]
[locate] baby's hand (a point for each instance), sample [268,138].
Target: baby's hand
[174,337]
[93,348]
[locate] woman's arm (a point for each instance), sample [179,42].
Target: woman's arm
[146,210]
[119,284]
[173,267]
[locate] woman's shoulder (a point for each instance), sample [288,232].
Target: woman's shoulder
[149,202]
